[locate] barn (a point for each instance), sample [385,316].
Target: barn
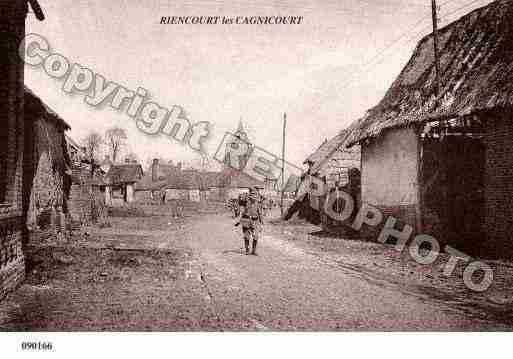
[444,164]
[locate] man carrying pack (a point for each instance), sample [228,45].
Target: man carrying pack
[251,219]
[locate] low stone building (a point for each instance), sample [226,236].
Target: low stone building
[150,188]
[443,164]
[149,191]
[166,181]
[183,185]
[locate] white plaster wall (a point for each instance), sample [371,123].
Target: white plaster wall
[389,169]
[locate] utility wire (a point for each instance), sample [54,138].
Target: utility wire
[371,63]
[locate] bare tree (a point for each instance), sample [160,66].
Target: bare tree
[92,145]
[115,139]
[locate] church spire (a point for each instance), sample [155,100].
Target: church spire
[240,128]
[241,133]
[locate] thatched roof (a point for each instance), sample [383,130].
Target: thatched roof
[476,62]
[35,107]
[325,151]
[125,173]
[48,130]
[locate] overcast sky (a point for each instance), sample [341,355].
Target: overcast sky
[324,73]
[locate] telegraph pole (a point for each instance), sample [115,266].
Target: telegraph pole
[435,44]
[283,162]
[442,123]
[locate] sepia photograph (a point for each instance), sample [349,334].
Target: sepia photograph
[260,173]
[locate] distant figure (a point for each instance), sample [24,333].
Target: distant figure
[266,206]
[175,209]
[163,197]
[236,203]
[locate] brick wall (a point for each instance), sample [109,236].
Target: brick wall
[12,30]
[498,223]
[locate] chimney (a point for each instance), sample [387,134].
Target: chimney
[155,170]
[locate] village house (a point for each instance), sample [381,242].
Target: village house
[148,191]
[150,187]
[120,182]
[445,164]
[13,231]
[47,169]
[332,161]
[234,182]
[178,184]
[338,167]
[209,184]
[194,185]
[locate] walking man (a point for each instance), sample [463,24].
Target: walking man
[251,220]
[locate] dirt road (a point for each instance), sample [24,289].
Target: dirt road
[161,273]
[286,288]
